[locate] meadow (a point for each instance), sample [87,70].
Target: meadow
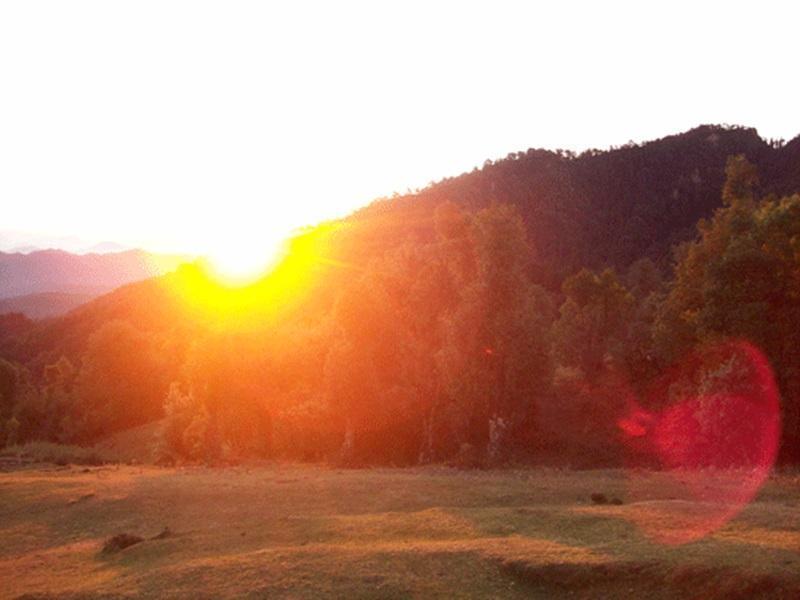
[297,531]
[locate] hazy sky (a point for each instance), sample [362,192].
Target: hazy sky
[194,126]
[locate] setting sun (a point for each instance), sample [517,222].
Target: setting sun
[240,262]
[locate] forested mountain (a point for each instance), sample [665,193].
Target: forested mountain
[610,208]
[45,271]
[535,309]
[44,304]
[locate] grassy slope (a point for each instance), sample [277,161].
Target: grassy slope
[284,531]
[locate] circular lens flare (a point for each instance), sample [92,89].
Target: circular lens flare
[715,445]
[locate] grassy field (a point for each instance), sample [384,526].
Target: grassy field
[307,532]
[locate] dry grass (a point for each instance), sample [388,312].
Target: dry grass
[305,532]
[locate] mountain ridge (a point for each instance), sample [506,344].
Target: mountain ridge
[580,211]
[58,271]
[611,207]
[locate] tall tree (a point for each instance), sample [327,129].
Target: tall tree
[592,327]
[741,279]
[494,361]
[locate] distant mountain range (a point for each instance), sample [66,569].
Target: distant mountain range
[15,240]
[47,283]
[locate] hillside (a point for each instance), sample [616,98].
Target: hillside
[606,208]
[431,321]
[596,209]
[599,208]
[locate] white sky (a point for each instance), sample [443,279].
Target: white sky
[193,126]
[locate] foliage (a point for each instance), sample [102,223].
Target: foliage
[121,382]
[514,313]
[741,279]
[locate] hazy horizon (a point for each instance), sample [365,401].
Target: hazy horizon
[196,127]
[27,241]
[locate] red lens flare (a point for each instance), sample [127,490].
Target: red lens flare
[715,442]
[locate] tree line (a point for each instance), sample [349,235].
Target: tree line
[445,339]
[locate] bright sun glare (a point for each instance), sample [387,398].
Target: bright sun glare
[240,261]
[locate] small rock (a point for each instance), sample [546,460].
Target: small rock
[83,498]
[120,542]
[598,498]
